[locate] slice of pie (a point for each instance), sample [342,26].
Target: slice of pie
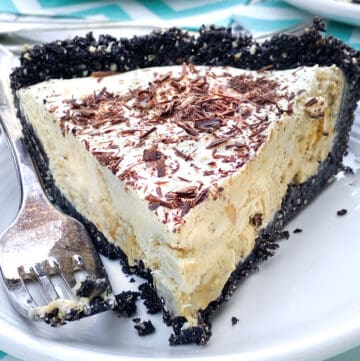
[188,171]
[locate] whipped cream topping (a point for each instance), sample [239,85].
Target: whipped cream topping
[137,200]
[174,139]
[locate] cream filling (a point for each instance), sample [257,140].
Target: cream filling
[191,266]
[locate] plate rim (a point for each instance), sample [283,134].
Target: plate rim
[11,337]
[35,348]
[320,5]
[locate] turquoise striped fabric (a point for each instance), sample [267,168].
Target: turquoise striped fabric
[263,17]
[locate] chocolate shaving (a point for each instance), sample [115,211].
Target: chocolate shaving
[265,68]
[290,108]
[53,108]
[147,133]
[161,169]
[128,172]
[162,78]
[87,146]
[311,102]
[217,142]
[188,128]
[168,110]
[87,113]
[176,168]
[245,112]
[182,155]
[128,131]
[109,160]
[142,95]
[151,155]
[199,83]
[188,192]
[193,69]
[291,96]
[156,202]
[98,123]
[194,166]
[184,179]
[103,94]
[185,208]
[208,172]
[180,87]
[117,120]
[159,192]
[202,196]
[237,145]
[154,205]
[115,165]
[208,123]
[240,83]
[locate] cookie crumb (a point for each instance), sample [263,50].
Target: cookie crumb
[284,235]
[126,303]
[151,300]
[144,328]
[234,320]
[346,169]
[341,212]
[199,335]
[298,230]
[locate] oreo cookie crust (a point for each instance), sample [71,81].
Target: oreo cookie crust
[82,56]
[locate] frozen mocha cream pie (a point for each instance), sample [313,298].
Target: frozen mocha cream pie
[185,157]
[182,166]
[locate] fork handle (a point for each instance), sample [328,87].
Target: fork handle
[30,185]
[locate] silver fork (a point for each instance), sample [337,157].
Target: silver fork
[43,243]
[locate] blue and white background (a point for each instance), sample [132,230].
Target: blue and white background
[263,17]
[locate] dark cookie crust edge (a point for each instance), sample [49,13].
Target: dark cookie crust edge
[214,46]
[72,58]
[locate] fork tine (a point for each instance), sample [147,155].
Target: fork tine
[77,262]
[51,266]
[66,273]
[48,288]
[20,295]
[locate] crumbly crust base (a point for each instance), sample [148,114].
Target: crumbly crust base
[77,57]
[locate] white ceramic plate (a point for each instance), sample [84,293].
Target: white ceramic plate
[337,10]
[302,305]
